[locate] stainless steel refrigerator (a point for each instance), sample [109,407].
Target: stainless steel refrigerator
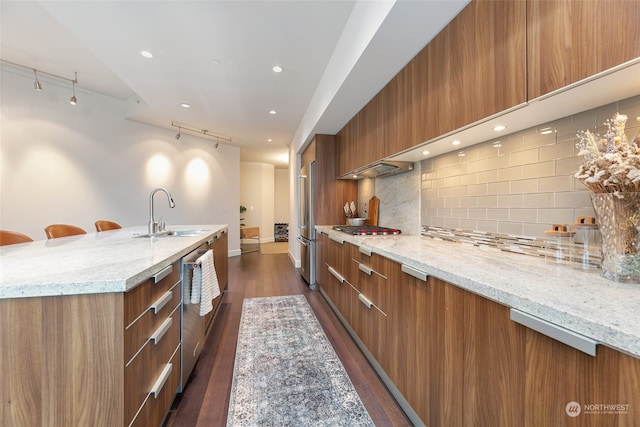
[306,224]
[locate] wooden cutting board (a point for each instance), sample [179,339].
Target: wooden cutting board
[374,205]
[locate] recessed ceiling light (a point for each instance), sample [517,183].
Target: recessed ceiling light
[456,142]
[273,112]
[462,154]
[499,128]
[146,54]
[185,105]
[269,140]
[277,69]
[354,176]
[497,144]
[216,62]
[426,152]
[546,131]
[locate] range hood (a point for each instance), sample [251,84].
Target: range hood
[379,169]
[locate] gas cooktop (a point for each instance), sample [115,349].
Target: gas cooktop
[367,230]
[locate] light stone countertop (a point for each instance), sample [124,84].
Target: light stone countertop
[109,261]
[579,300]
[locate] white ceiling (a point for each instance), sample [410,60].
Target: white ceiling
[217,56]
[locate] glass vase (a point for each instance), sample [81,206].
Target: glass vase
[619,218]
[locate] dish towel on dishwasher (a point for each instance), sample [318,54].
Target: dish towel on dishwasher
[204,286]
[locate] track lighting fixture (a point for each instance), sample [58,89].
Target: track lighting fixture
[203,132]
[74,100]
[36,85]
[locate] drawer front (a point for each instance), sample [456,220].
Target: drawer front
[138,299]
[156,407]
[137,333]
[143,370]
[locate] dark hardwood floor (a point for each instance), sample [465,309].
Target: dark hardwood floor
[206,397]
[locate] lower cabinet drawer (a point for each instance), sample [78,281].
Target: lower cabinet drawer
[142,373]
[156,406]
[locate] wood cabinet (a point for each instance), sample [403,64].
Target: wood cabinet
[569,40]
[330,193]
[151,345]
[458,359]
[152,348]
[220,246]
[346,157]
[92,359]
[475,67]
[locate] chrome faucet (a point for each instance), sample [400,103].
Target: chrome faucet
[153,225]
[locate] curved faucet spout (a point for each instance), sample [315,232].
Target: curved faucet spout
[153,225]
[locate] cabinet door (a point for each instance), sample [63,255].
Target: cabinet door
[569,40]
[557,374]
[403,115]
[346,147]
[475,67]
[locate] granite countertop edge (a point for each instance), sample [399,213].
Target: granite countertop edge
[105,262]
[578,300]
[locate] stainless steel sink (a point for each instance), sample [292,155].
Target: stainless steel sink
[171,233]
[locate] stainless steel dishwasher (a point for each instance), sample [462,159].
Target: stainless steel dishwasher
[193,325]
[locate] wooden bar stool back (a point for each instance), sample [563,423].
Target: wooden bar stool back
[13,237]
[107,225]
[54,231]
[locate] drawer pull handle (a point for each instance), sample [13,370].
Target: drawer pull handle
[336,274]
[161,302]
[565,336]
[364,251]
[365,269]
[162,273]
[365,301]
[337,239]
[415,273]
[159,333]
[162,379]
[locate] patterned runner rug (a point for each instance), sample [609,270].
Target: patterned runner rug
[286,373]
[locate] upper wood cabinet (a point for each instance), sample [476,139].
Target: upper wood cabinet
[346,148]
[570,40]
[475,67]
[331,194]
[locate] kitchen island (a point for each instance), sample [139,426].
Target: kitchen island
[466,335]
[90,326]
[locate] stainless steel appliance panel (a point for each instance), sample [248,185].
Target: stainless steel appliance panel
[306,224]
[193,325]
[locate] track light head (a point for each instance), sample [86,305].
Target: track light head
[74,100]
[36,85]
[178,135]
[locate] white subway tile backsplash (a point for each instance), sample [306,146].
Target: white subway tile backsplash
[509,174]
[501,187]
[524,157]
[521,187]
[539,169]
[556,183]
[539,200]
[524,186]
[523,215]
[561,150]
[511,201]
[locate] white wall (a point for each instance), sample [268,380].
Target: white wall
[60,163]
[281,196]
[257,187]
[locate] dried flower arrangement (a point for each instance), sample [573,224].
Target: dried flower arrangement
[612,162]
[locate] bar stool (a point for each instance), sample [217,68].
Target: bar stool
[13,237]
[107,225]
[54,231]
